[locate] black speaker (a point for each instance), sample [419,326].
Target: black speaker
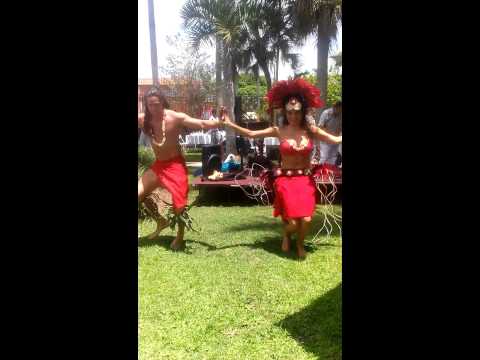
[243,145]
[338,162]
[211,159]
[237,108]
[273,152]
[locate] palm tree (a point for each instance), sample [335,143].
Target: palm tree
[269,34]
[243,31]
[218,71]
[338,62]
[285,35]
[338,59]
[256,55]
[153,42]
[206,20]
[199,20]
[319,17]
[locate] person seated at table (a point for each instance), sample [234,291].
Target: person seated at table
[162,126]
[294,187]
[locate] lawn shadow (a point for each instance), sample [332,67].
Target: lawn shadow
[272,242]
[165,241]
[266,223]
[318,327]
[208,246]
[161,241]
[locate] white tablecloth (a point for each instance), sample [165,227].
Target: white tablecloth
[198,139]
[271,141]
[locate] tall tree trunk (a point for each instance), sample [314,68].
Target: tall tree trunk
[153,42]
[235,80]
[218,71]
[323,44]
[229,100]
[266,72]
[257,78]
[279,3]
[277,65]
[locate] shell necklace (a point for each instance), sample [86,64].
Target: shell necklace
[303,143]
[154,141]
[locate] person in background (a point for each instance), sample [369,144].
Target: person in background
[143,140]
[214,133]
[331,122]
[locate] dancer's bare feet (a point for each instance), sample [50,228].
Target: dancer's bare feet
[178,243]
[286,242]
[161,224]
[304,226]
[301,252]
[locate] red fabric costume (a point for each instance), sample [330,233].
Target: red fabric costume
[294,192]
[173,176]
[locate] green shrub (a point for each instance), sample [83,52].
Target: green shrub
[197,150]
[146,157]
[334,86]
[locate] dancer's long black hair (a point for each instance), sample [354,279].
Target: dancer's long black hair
[153,91]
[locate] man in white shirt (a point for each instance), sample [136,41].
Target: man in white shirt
[215,134]
[330,121]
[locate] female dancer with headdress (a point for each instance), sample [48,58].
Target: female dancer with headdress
[294,187]
[163,126]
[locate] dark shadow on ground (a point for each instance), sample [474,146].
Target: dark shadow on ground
[318,327]
[208,246]
[165,241]
[270,223]
[234,196]
[272,244]
[162,241]
[223,197]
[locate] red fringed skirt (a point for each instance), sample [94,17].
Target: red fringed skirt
[173,176]
[294,196]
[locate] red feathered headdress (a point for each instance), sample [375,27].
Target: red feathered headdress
[290,88]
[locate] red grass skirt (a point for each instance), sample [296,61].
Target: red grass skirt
[294,197]
[173,176]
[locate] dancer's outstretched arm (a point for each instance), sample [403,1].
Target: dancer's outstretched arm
[271,131]
[197,124]
[322,135]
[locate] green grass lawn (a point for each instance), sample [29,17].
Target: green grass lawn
[232,294]
[193,156]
